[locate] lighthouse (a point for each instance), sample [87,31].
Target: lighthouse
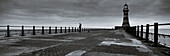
[125,23]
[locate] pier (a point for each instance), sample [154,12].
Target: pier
[71,42]
[124,40]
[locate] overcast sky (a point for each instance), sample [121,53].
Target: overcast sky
[91,13]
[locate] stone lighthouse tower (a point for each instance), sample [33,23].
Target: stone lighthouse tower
[125,17]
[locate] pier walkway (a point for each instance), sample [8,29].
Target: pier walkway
[93,43]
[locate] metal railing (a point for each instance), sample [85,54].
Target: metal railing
[8,30]
[140,33]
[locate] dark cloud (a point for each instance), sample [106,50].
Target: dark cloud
[90,12]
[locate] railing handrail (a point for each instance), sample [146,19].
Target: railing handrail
[159,34]
[36,26]
[156,34]
[158,24]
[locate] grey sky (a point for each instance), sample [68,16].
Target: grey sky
[96,13]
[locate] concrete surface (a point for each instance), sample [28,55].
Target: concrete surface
[93,43]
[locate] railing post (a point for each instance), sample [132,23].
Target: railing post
[65,30]
[75,29]
[138,31]
[84,29]
[50,30]
[55,29]
[141,32]
[8,31]
[42,29]
[33,30]
[61,30]
[147,32]
[69,29]
[134,31]
[156,34]
[72,29]
[22,31]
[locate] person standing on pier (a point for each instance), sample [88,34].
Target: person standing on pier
[80,25]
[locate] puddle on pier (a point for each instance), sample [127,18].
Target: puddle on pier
[135,43]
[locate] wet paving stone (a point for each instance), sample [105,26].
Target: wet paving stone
[118,49]
[86,41]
